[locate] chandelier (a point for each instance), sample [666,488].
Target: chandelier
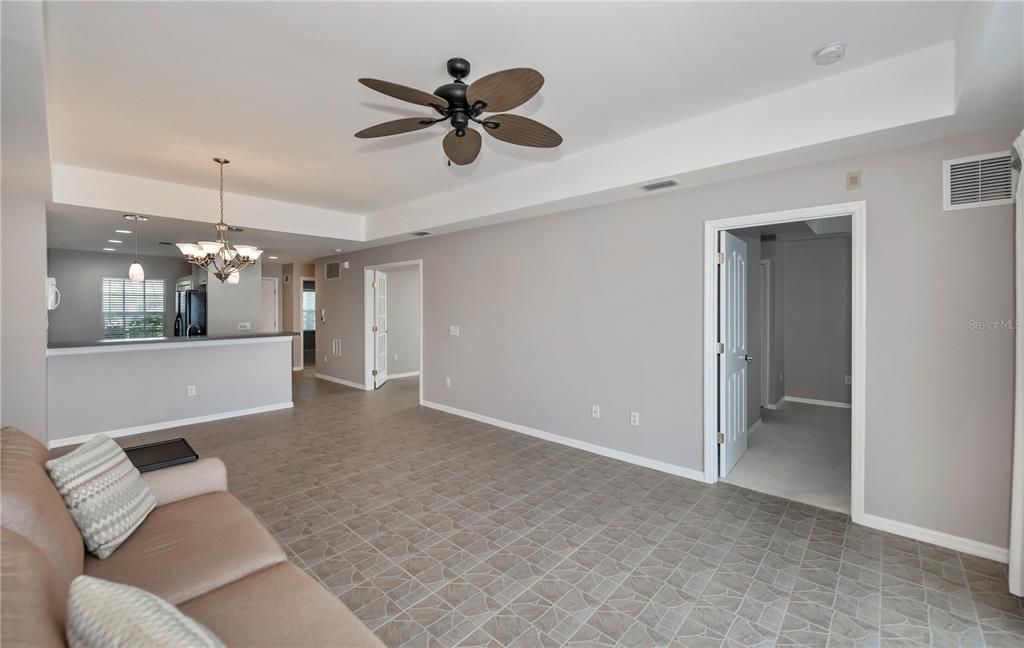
[220,258]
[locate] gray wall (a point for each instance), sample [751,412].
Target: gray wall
[79,278]
[26,188]
[107,392]
[403,320]
[227,304]
[605,305]
[816,286]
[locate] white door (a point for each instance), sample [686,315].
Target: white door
[380,328]
[269,306]
[733,358]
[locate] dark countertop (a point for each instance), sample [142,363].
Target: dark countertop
[164,340]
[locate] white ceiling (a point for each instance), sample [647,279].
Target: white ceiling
[70,227]
[157,89]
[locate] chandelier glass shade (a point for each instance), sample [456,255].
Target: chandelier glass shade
[135,272]
[222,259]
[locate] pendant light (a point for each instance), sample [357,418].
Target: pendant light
[219,257]
[135,272]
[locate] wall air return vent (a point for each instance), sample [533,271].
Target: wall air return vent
[662,184]
[977,181]
[332,269]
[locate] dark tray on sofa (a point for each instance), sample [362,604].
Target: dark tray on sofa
[162,454]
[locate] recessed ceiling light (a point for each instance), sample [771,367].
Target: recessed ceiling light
[272,258]
[830,53]
[136,218]
[122,231]
[109,250]
[337,249]
[114,241]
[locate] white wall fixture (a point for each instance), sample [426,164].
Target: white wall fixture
[978,181]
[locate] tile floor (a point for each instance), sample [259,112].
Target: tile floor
[800,452]
[440,531]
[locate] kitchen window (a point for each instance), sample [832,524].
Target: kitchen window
[132,310]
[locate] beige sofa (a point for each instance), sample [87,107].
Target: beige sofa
[200,548]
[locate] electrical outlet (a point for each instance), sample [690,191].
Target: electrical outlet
[595,411]
[191,390]
[634,419]
[396,357]
[325,358]
[453,330]
[447,381]
[245,326]
[848,380]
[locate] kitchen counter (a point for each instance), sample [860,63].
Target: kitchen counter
[91,346]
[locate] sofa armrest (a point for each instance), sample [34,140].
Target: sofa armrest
[187,480]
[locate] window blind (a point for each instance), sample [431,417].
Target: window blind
[132,310]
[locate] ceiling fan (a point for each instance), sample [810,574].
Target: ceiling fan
[460,104]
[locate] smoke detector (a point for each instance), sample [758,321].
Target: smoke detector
[830,53]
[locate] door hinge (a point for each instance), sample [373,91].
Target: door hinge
[720,258]
[374,372]
[374,329]
[721,437]
[374,284]
[719,347]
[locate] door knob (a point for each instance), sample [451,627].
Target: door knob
[747,358]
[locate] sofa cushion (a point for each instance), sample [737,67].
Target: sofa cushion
[32,507]
[255,611]
[33,595]
[102,614]
[190,547]
[103,491]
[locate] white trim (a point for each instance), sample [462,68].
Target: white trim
[163,425]
[858,213]
[368,317]
[342,381]
[750,430]
[949,541]
[766,331]
[406,374]
[637,460]
[815,401]
[122,346]
[946,189]
[299,368]
[1016,551]
[775,405]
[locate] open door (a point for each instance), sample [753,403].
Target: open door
[380,328]
[732,352]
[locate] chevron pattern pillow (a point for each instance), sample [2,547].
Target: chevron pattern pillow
[104,493]
[102,614]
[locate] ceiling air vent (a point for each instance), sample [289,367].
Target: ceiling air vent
[661,184]
[332,269]
[422,233]
[978,181]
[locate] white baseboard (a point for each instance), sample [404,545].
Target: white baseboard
[956,543]
[342,381]
[299,368]
[163,425]
[654,464]
[407,374]
[814,401]
[774,406]
[753,428]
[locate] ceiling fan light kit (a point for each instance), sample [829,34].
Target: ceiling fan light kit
[462,105]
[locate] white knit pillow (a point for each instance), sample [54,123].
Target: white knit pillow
[104,493]
[102,614]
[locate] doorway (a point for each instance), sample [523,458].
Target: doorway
[393,308]
[309,321]
[738,361]
[270,306]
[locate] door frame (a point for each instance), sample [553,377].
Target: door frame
[858,213]
[302,332]
[368,308]
[765,278]
[277,302]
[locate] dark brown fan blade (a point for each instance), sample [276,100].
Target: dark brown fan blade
[506,89]
[412,95]
[523,131]
[462,150]
[406,125]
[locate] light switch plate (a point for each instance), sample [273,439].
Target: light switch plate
[453,330]
[634,419]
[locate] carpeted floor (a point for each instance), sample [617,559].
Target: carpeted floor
[440,531]
[800,452]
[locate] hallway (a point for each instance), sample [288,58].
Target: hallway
[800,452]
